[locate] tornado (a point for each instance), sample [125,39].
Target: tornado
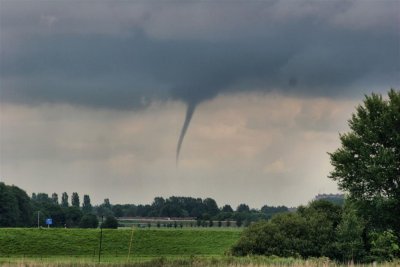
[189,114]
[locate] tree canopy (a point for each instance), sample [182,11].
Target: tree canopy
[367,165]
[308,232]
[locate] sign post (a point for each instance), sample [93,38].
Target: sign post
[49,222]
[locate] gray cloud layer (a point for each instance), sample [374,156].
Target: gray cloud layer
[126,54]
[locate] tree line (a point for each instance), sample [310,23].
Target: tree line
[17,209]
[205,211]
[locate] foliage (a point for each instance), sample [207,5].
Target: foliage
[321,229]
[239,219]
[227,208]
[56,213]
[110,222]
[243,208]
[272,237]
[384,246]
[24,206]
[15,208]
[9,211]
[269,211]
[54,197]
[86,205]
[23,211]
[322,218]
[367,163]
[180,207]
[73,216]
[309,232]
[75,202]
[117,210]
[349,234]
[64,200]
[89,221]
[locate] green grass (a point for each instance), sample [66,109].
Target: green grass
[85,242]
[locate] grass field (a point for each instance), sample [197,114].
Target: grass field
[85,242]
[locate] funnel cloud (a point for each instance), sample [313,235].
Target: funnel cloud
[188,117]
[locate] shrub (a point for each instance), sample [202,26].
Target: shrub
[310,232]
[89,221]
[110,222]
[384,246]
[350,244]
[284,236]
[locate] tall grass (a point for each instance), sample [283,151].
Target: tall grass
[189,261]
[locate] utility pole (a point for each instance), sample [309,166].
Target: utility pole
[101,236]
[38,218]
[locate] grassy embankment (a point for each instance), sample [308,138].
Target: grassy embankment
[42,243]
[150,247]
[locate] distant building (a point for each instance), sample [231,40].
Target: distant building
[333,198]
[329,196]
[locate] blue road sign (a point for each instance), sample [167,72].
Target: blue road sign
[49,221]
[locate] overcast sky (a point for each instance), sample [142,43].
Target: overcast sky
[94,95]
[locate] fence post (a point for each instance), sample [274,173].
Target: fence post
[101,236]
[130,245]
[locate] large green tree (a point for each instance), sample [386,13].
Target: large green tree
[64,200]
[86,205]
[24,206]
[9,211]
[15,207]
[73,216]
[54,197]
[367,165]
[75,202]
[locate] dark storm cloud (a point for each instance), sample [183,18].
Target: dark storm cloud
[123,55]
[56,53]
